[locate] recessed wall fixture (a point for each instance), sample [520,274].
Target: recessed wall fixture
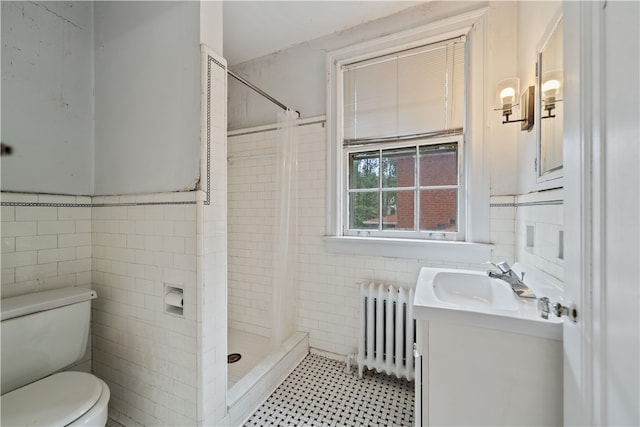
[551,87]
[507,92]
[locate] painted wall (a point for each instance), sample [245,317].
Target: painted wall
[211,28]
[47,96]
[147,108]
[139,133]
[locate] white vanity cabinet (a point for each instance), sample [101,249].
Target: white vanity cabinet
[473,371]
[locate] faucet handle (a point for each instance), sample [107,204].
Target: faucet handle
[503,266]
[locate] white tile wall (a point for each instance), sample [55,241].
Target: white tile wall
[251,210]
[46,247]
[502,220]
[547,221]
[212,253]
[328,292]
[147,356]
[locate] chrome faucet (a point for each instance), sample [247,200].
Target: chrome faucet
[510,276]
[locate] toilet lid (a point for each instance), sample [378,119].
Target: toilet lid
[57,400]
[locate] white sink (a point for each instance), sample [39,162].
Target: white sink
[470,297]
[466,290]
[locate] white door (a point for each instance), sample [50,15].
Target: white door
[602,208]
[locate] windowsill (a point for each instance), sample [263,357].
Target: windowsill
[436,250]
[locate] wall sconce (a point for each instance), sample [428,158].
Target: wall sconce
[507,91]
[550,92]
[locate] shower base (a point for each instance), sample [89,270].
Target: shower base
[258,373]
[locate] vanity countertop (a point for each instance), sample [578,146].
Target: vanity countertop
[470,297]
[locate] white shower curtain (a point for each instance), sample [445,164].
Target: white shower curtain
[285,231]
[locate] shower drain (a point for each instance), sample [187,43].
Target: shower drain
[233,357]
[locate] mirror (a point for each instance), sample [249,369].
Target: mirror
[550,84]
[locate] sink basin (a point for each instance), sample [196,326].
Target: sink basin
[470,297]
[473,291]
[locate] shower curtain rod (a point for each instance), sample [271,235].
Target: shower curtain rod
[260,91]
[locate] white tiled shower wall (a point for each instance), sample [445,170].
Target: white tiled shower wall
[328,292]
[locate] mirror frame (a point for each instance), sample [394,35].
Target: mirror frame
[552,179]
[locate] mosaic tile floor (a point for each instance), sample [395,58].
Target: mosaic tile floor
[319,393]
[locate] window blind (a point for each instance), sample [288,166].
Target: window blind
[415,92]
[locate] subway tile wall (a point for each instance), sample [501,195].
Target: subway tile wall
[46,247]
[543,214]
[146,355]
[251,210]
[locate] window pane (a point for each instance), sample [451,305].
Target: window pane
[364,210]
[439,210]
[398,210]
[398,167]
[364,169]
[439,164]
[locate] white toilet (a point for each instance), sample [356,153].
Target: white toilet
[43,333]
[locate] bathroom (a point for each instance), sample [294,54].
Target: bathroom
[110,187]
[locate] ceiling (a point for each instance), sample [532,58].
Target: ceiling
[256,28]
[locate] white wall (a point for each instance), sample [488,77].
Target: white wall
[139,133]
[147,356]
[47,98]
[45,247]
[147,73]
[211,29]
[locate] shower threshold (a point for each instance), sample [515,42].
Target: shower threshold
[246,395]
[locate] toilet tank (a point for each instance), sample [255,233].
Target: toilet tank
[42,333]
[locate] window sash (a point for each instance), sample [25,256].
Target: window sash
[416,189]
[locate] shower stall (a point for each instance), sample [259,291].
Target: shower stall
[263,344]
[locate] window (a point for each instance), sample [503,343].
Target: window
[405,191]
[380,114]
[403,178]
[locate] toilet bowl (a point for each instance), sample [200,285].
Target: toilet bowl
[63,399]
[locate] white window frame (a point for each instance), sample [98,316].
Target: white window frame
[476,185]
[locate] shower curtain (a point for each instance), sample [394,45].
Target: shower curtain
[285,231]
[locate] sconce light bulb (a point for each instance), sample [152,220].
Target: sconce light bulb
[550,87]
[507,94]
